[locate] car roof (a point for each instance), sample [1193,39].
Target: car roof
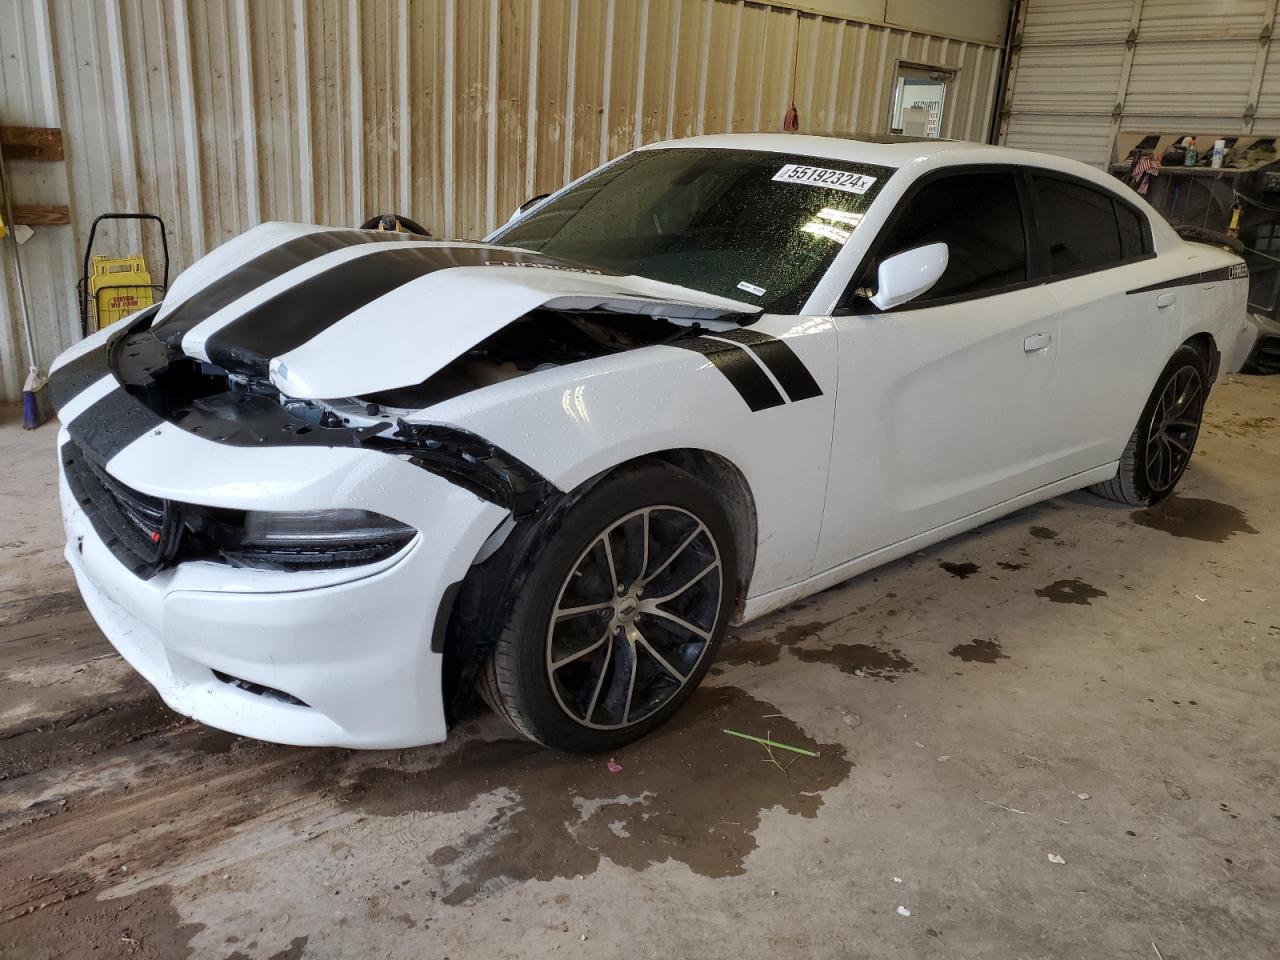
[885,149]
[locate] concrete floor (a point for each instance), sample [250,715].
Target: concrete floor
[1055,737]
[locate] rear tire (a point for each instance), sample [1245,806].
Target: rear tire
[621,614]
[1161,445]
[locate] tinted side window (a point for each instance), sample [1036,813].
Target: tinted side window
[979,218]
[1133,235]
[1078,224]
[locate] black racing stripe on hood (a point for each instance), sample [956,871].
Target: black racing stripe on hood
[108,426]
[73,378]
[291,318]
[247,277]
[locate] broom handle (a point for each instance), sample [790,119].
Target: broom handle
[17,268]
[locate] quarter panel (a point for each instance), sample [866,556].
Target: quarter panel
[1114,340]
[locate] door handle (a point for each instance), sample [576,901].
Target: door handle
[1037,341]
[1166,300]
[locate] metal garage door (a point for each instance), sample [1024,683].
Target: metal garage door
[1084,69]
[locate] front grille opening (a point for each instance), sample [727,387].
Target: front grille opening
[142,531]
[271,693]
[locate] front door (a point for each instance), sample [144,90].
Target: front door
[939,400]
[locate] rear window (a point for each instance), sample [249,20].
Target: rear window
[757,227]
[1079,226]
[1133,234]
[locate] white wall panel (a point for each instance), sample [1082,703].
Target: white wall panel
[1080,138]
[1203,19]
[1071,80]
[1071,21]
[219,114]
[1192,78]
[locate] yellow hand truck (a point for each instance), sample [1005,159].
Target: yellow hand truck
[112,288]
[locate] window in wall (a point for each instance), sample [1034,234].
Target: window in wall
[919,99]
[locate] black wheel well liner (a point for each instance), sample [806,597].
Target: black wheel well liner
[724,478]
[473,610]
[1204,342]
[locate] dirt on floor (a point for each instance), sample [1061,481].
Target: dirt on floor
[1054,737]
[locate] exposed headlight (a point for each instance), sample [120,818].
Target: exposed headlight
[301,540]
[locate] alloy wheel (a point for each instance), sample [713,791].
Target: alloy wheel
[1175,423]
[634,617]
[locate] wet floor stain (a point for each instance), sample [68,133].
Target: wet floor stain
[979,651]
[860,659]
[559,816]
[1044,533]
[961,570]
[1070,591]
[1007,565]
[799,632]
[762,651]
[738,651]
[1194,518]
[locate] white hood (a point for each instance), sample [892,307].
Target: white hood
[340,313]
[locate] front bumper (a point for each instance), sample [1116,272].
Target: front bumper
[353,645]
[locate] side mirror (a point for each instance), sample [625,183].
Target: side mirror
[527,206]
[907,275]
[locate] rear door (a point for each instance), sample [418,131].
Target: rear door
[1115,336]
[939,399]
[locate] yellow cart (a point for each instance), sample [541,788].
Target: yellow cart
[112,288]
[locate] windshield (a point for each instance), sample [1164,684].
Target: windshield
[757,227]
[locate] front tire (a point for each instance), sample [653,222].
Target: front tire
[1162,443]
[621,614]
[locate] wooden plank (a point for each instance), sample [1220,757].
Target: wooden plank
[41,214]
[31,143]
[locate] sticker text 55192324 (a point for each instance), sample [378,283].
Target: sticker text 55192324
[823,177]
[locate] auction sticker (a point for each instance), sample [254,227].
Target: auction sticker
[823,177]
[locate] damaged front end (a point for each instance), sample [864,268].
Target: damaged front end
[243,409]
[335,390]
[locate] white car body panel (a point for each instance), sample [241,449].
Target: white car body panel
[914,425]
[913,384]
[576,421]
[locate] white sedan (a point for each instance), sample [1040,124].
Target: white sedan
[340,478]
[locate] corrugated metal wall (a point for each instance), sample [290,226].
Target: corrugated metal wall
[219,114]
[1084,69]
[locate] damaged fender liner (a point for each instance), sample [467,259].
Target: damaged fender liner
[471,462]
[473,612]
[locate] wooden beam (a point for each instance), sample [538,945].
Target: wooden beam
[31,143]
[41,214]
